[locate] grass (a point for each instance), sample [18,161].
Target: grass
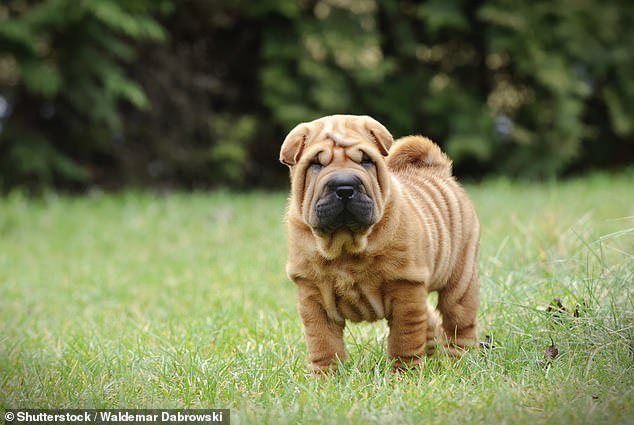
[140,300]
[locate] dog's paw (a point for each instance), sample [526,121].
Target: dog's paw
[405,363]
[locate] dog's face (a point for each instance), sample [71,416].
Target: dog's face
[339,177]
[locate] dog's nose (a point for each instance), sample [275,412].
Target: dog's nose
[345,192]
[344,186]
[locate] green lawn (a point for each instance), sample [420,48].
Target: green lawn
[181,300]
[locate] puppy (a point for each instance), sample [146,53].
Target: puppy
[374,226]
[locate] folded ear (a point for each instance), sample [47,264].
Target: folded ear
[382,137]
[293,145]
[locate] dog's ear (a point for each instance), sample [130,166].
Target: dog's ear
[382,137]
[293,145]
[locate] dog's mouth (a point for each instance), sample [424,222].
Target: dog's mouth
[344,205]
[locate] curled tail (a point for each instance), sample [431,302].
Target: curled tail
[418,152]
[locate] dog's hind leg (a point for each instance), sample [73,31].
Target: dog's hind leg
[458,302]
[435,333]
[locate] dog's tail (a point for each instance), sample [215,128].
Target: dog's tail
[418,152]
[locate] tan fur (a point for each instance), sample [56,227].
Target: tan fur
[425,239]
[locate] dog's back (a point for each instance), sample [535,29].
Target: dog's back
[425,175]
[446,213]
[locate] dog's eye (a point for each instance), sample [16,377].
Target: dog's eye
[316,166]
[366,161]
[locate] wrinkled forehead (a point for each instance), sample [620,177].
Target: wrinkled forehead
[342,133]
[335,147]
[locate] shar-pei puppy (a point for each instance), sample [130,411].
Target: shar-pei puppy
[374,226]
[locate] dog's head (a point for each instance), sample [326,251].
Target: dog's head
[339,178]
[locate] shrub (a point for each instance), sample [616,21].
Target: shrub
[63,80]
[98,93]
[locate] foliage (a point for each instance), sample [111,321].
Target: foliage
[557,68]
[99,94]
[62,75]
[201,83]
[523,88]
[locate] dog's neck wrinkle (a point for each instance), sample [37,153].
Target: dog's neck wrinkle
[338,244]
[382,233]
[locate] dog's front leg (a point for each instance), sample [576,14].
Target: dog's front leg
[324,337]
[410,334]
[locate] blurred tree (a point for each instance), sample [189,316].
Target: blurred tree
[94,91]
[556,70]
[202,85]
[525,88]
[62,80]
